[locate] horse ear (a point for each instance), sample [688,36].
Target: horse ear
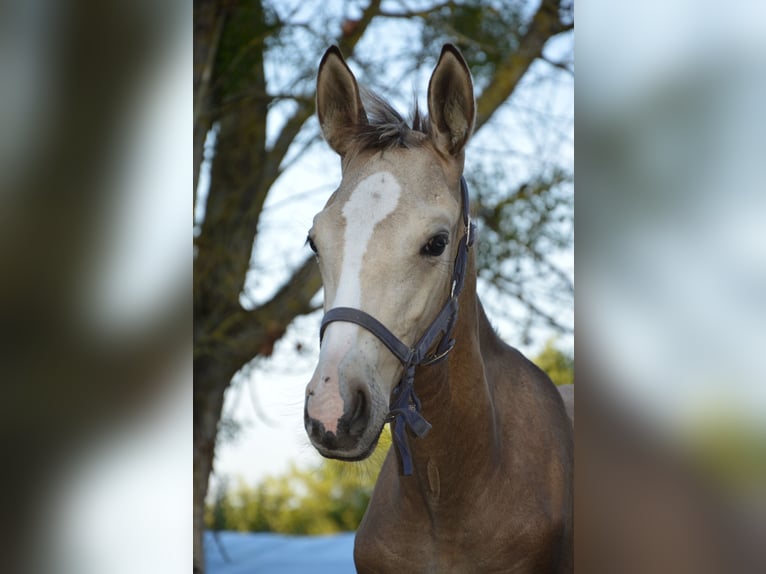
[451,105]
[339,105]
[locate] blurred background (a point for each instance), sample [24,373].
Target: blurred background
[97,156]
[671,268]
[95,275]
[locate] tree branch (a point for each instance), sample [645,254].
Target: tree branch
[347,41]
[286,137]
[534,309]
[545,24]
[205,54]
[560,65]
[255,332]
[347,44]
[236,189]
[416,13]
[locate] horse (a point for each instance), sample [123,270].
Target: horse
[479,478]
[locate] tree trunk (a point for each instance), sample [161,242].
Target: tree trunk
[209,18]
[210,380]
[224,71]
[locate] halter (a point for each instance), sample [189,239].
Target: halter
[405,405]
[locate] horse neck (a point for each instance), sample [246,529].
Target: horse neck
[455,396]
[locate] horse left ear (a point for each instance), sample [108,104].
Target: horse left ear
[451,105]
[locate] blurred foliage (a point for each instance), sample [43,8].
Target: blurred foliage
[520,228]
[730,450]
[558,365]
[329,497]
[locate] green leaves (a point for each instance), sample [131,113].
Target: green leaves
[484,33]
[558,365]
[330,497]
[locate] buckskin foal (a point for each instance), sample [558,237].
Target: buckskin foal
[479,478]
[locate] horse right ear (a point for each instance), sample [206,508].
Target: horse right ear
[451,105]
[339,105]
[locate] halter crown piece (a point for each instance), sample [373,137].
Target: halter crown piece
[405,405]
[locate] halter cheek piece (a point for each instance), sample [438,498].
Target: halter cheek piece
[405,405]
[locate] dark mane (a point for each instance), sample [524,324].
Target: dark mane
[386,128]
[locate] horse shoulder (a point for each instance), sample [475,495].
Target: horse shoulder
[381,539]
[531,409]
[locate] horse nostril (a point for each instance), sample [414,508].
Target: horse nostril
[360,415]
[314,429]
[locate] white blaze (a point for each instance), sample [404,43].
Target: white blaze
[374,199]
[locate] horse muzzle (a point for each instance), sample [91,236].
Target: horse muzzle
[339,418]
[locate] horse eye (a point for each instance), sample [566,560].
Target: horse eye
[312,245]
[435,245]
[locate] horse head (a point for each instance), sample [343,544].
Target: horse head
[386,242]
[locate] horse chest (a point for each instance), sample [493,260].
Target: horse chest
[431,533]
[456,550]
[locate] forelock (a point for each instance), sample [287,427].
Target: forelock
[386,128]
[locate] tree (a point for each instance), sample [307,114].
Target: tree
[254,67]
[558,365]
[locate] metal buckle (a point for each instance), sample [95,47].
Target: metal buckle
[435,359]
[468,232]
